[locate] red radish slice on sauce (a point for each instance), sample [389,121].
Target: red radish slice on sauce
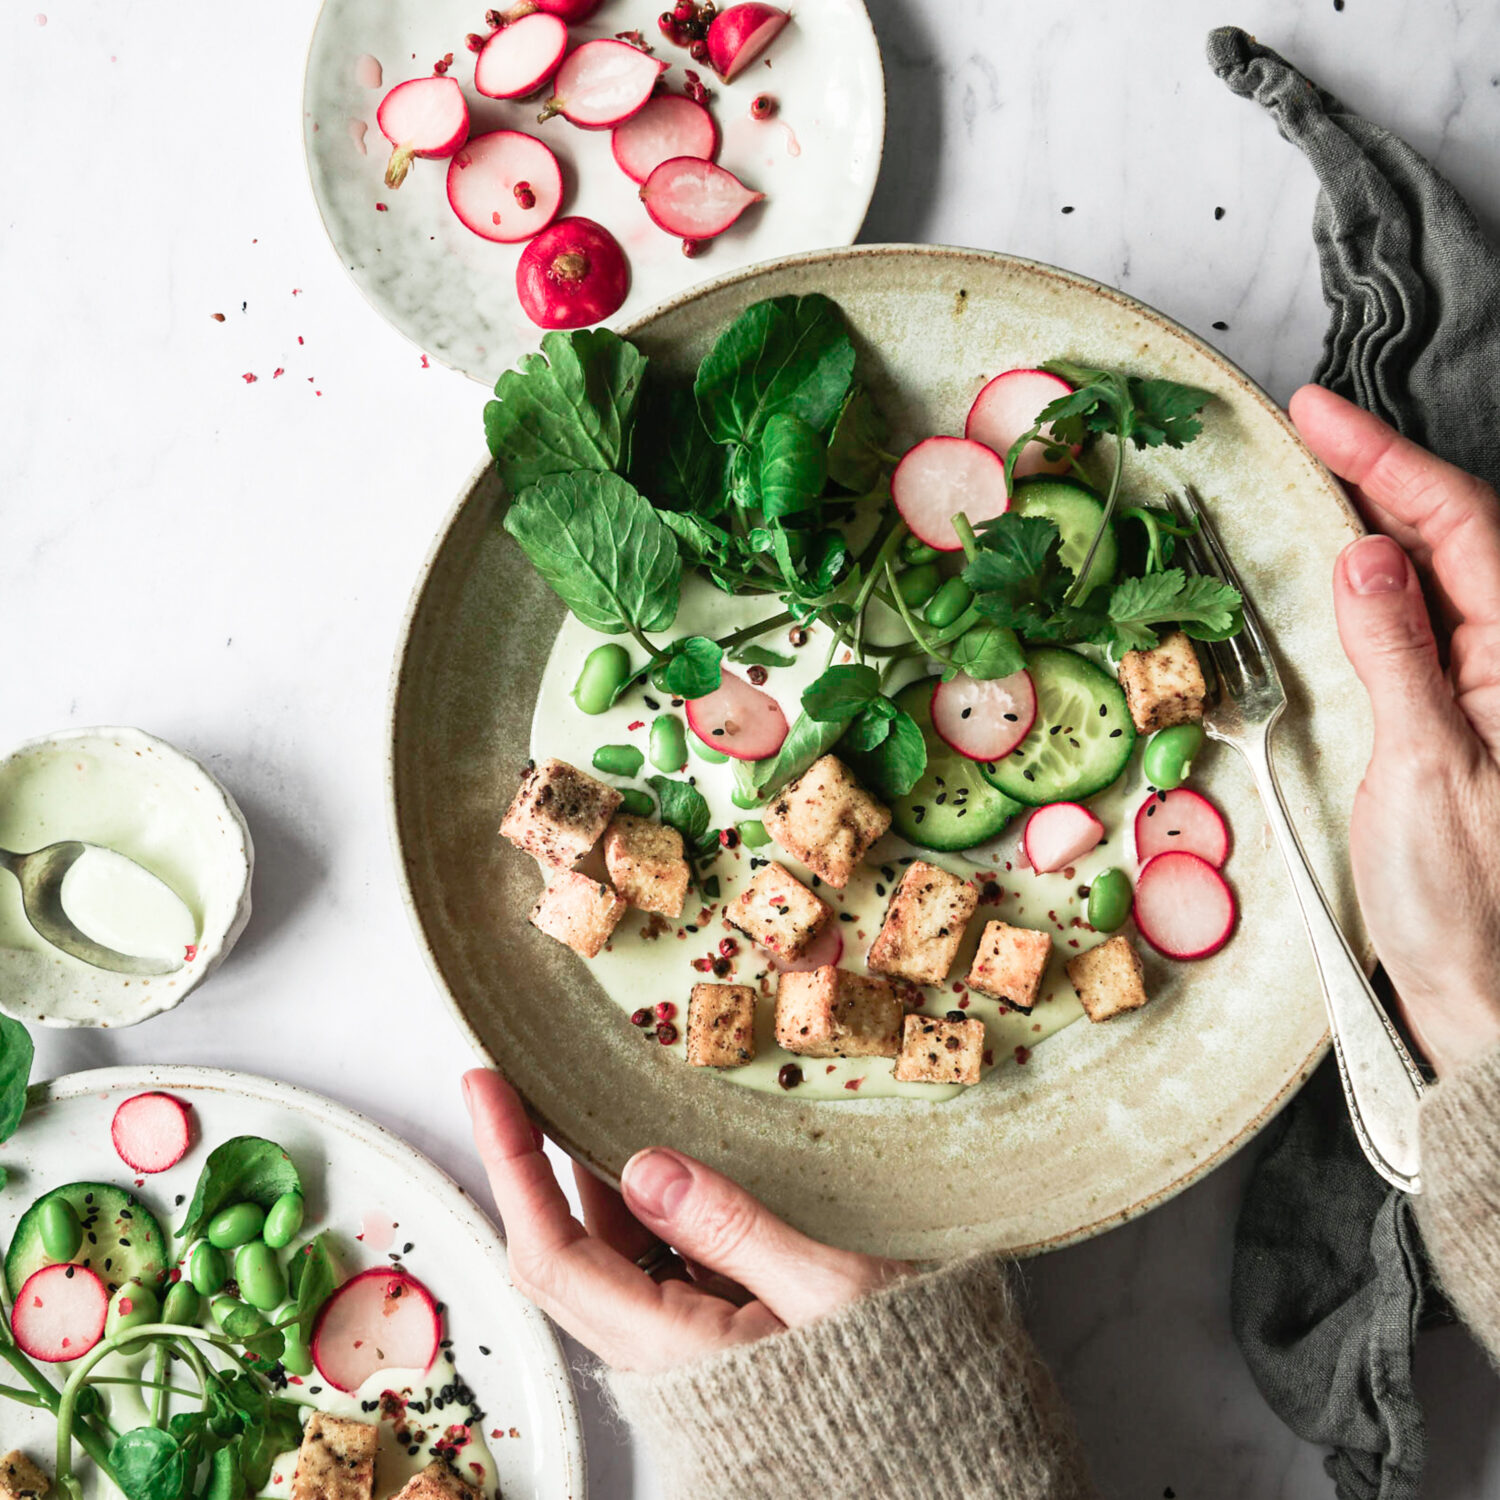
[737,36]
[151,1132]
[519,58]
[59,1313]
[694,198]
[1183,908]
[984,720]
[942,476]
[422,117]
[827,948]
[1059,835]
[737,719]
[670,125]
[379,1320]
[603,82]
[1183,820]
[1008,406]
[505,185]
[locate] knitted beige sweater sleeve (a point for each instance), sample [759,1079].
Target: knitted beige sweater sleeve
[927,1390]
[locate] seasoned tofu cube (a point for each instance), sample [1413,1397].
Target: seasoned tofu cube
[830,1012]
[438,1481]
[924,925]
[336,1460]
[827,820]
[777,911]
[721,1025]
[558,813]
[20,1479]
[578,911]
[1010,964]
[646,864]
[1109,979]
[934,1051]
[1165,686]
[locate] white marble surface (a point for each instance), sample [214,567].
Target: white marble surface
[226,563]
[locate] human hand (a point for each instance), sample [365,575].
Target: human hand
[1423,836]
[744,1273]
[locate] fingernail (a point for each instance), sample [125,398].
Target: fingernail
[656,1182]
[1375,565]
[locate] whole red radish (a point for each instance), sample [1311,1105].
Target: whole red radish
[601,83]
[59,1313]
[520,58]
[695,199]
[421,117]
[572,274]
[740,34]
[571,11]
[505,185]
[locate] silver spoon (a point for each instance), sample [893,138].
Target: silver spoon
[41,876]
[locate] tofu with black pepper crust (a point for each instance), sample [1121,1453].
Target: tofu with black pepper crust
[826,820]
[1010,964]
[1109,979]
[646,864]
[578,911]
[831,1012]
[934,1051]
[721,1025]
[558,813]
[1164,686]
[336,1460]
[20,1479]
[777,911]
[924,925]
[438,1481]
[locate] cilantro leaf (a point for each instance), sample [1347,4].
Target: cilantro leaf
[682,807]
[1013,549]
[1165,412]
[691,668]
[1195,603]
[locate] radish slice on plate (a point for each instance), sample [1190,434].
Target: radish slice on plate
[519,58]
[1181,820]
[505,185]
[1183,907]
[737,36]
[984,720]
[151,1132]
[671,125]
[1059,835]
[602,83]
[827,948]
[421,117]
[379,1320]
[59,1313]
[1008,406]
[942,476]
[737,719]
[695,198]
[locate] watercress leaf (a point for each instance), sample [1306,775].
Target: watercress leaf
[1196,603]
[311,1280]
[568,408]
[673,461]
[699,541]
[148,1464]
[226,1481]
[759,656]
[827,556]
[985,652]
[840,693]
[742,476]
[280,1431]
[691,669]
[1165,412]
[868,728]
[807,740]
[793,466]
[603,549]
[244,1168]
[896,764]
[15,1069]
[857,454]
[246,1326]
[682,806]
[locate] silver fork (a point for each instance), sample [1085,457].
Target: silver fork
[1381,1082]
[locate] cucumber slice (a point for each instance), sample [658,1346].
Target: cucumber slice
[121,1239]
[1077,512]
[952,806]
[1082,737]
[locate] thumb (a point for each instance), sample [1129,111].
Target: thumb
[704,1216]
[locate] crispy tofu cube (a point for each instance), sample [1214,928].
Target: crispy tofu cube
[777,911]
[336,1460]
[578,911]
[827,820]
[830,1012]
[1165,686]
[721,1025]
[1010,964]
[924,925]
[646,863]
[934,1051]
[20,1479]
[438,1481]
[1109,979]
[558,813]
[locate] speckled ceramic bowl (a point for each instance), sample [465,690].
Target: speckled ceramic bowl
[1104,1122]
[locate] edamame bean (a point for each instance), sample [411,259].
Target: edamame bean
[61,1229]
[294,1358]
[182,1305]
[606,669]
[636,802]
[744,800]
[706,752]
[236,1225]
[207,1268]
[284,1220]
[238,1319]
[261,1280]
[948,603]
[618,760]
[914,550]
[1168,758]
[668,743]
[1110,897]
[135,1303]
[917,585]
[753,834]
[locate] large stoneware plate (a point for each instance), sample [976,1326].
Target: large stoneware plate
[1104,1121]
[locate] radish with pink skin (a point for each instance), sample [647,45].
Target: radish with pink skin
[1183,908]
[737,36]
[670,125]
[1008,406]
[738,719]
[380,1320]
[984,720]
[1059,835]
[1181,819]
[572,274]
[695,199]
[571,11]
[151,1132]
[601,83]
[519,59]
[421,117]
[59,1313]
[826,948]
[505,185]
[942,476]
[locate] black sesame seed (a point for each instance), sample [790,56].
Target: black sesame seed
[1029,774]
[650,702]
[965,714]
[1067,208]
[1115,734]
[846,916]
[1010,718]
[1222,326]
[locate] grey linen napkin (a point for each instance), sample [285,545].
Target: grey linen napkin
[1330,1283]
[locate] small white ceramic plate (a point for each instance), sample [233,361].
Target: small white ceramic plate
[359,1179]
[128,791]
[452,293]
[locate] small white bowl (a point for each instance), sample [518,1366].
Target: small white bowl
[129,791]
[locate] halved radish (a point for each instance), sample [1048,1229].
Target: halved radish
[505,185]
[520,58]
[942,476]
[695,198]
[984,720]
[59,1313]
[737,719]
[601,83]
[1182,906]
[380,1320]
[669,126]
[737,36]
[1008,406]
[151,1132]
[422,117]
[826,948]
[572,274]
[1059,835]
[1182,820]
